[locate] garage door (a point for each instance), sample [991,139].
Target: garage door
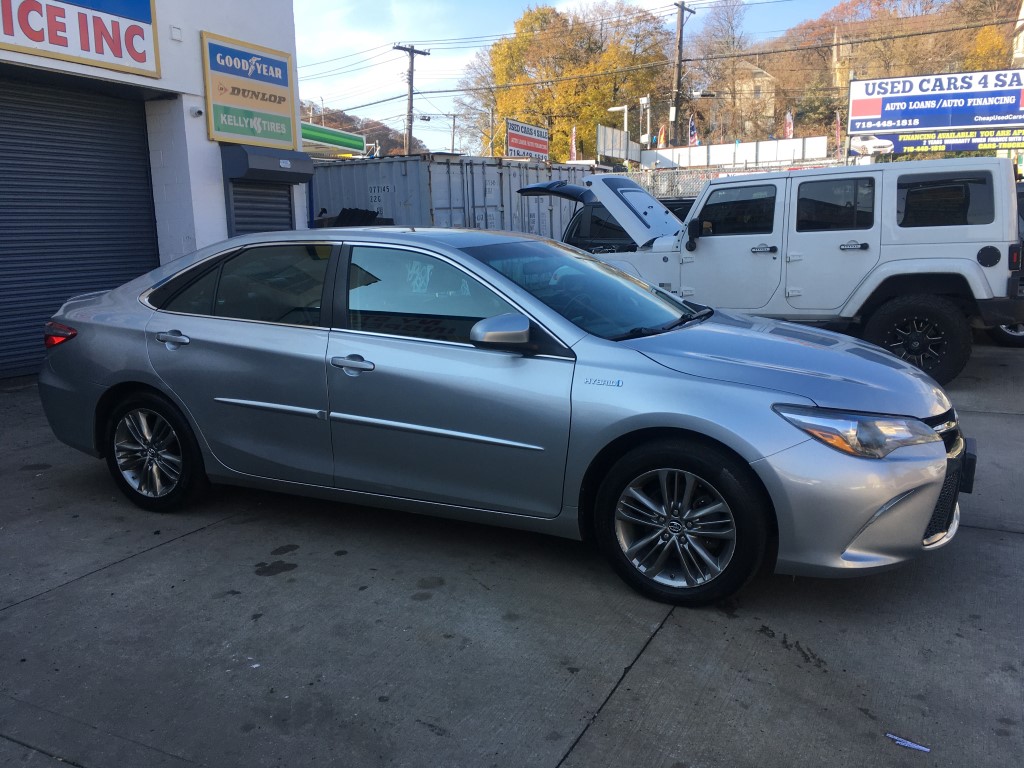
[76,206]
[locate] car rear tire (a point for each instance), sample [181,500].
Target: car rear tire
[1008,335]
[682,523]
[152,454]
[927,331]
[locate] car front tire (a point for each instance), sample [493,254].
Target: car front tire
[682,523]
[152,454]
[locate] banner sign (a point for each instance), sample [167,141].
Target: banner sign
[250,93]
[967,100]
[524,140]
[112,34]
[922,142]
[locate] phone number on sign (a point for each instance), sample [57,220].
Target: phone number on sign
[860,125]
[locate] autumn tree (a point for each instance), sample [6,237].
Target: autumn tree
[560,70]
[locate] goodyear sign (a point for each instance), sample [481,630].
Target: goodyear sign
[968,100]
[250,93]
[113,34]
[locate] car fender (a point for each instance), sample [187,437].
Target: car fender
[968,269]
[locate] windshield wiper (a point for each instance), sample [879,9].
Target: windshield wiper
[635,333]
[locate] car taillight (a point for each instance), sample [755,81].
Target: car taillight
[1015,257]
[55,333]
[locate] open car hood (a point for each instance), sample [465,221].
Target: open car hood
[638,212]
[559,188]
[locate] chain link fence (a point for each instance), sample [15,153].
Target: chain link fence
[687,182]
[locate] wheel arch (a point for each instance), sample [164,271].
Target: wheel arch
[116,394]
[950,285]
[620,446]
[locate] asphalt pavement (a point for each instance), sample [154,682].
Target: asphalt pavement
[264,630]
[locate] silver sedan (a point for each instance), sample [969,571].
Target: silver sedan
[510,380]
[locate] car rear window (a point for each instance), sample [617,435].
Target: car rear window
[945,199]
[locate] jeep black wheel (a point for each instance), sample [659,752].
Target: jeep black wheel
[1008,335]
[928,331]
[682,523]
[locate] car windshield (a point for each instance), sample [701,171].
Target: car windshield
[595,296]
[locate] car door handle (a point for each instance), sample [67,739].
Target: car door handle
[352,364]
[853,246]
[172,337]
[765,249]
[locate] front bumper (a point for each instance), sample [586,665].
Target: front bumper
[844,516]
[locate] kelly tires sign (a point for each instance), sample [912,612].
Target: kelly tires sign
[965,101]
[112,34]
[250,93]
[524,140]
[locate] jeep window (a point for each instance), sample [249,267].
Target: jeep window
[945,199]
[834,205]
[739,211]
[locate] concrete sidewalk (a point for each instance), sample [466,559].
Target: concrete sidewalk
[264,630]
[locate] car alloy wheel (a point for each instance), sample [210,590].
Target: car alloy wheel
[152,454]
[148,453]
[675,528]
[682,522]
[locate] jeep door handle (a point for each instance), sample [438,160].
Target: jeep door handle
[853,246]
[172,337]
[765,249]
[352,364]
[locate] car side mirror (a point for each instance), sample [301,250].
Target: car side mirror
[692,233]
[510,331]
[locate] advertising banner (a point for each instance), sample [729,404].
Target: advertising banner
[923,142]
[250,93]
[112,34]
[964,101]
[524,140]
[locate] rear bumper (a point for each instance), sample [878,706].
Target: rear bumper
[1004,311]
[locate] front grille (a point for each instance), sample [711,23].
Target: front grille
[942,517]
[947,426]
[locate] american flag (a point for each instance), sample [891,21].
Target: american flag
[694,141]
[788,128]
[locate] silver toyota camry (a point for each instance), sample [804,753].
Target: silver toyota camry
[511,380]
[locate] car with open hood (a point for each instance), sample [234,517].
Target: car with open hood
[511,380]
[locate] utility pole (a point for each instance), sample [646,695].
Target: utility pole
[677,72]
[413,53]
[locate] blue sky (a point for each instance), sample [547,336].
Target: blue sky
[345,55]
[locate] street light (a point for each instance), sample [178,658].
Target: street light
[624,109]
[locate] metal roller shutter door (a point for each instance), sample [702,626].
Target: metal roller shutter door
[258,206]
[76,207]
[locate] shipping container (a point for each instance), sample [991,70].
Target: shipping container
[445,191]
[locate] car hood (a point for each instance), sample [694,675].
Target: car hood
[833,370]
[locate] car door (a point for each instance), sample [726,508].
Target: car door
[417,412]
[736,262]
[834,238]
[243,346]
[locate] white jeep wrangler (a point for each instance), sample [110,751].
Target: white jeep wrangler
[909,255]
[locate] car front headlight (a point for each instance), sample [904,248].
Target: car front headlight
[867,435]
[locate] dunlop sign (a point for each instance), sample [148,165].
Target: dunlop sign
[99,33]
[250,93]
